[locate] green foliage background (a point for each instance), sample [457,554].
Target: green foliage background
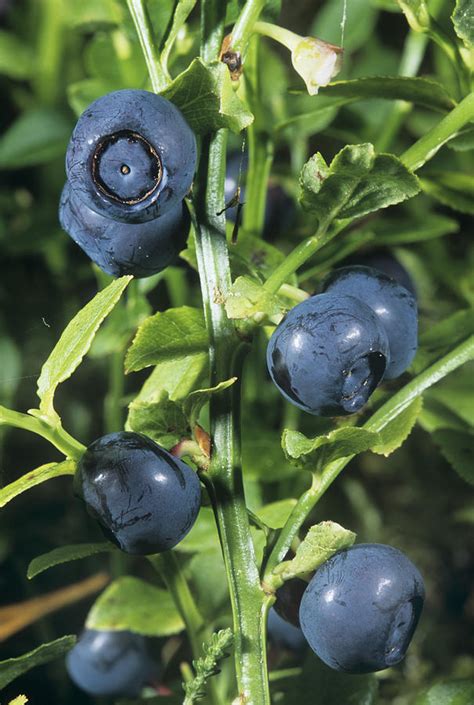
[57,56]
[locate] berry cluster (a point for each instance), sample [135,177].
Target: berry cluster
[332,350]
[129,164]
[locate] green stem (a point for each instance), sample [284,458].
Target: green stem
[212,29]
[283,36]
[413,53]
[260,147]
[412,57]
[56,435]
[50,44]
[226,354]
[378,421]
[301,254]
[224,478]
[427,146]
[167,566]
[345,248]
[244,26]
[141,20]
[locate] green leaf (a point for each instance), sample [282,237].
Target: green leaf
[452,189]
[16,58]
[134,605]
[163,421]
[206,97]
[465,515]
[203,536]
[248,298]
[456,393]
[320,543]
[262,457]
[417,14]
[395,433]
[440,338]
[458,449]
[421,91]
[360,21]
[463,142]
[206,574]
[175,378]
[75,342]
[35,477]
[65,554]
[88,15]
[320,685]
[459,692]
[181,13]
[252,255]
[82,93]
[407,230]
[15,667]
[115,59]
[36,137]
[275,514]
[435,415]
[206,666]
[11,368]
[313,453]
[171,335]
[357,182]
[463,21]
[196,400]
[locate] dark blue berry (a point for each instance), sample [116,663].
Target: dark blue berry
[131,156]
[141,249]
[328,354]
[288,600]
[393,304]
[361,608]
[109,663]
[145,499]
[283,634]
[385,262]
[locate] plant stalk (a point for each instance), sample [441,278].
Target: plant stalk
[56,435]
[427,146]
[167,566]
[142,23]
[243,28]
[224,478]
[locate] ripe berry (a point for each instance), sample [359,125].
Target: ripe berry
[141,249]
[393,304]
[284,634]
[361,608]
[131,156]
[328,354]
[145,499]
[288,600]
[109,663]
[383,261]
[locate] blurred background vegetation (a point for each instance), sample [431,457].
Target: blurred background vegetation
[56,56]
